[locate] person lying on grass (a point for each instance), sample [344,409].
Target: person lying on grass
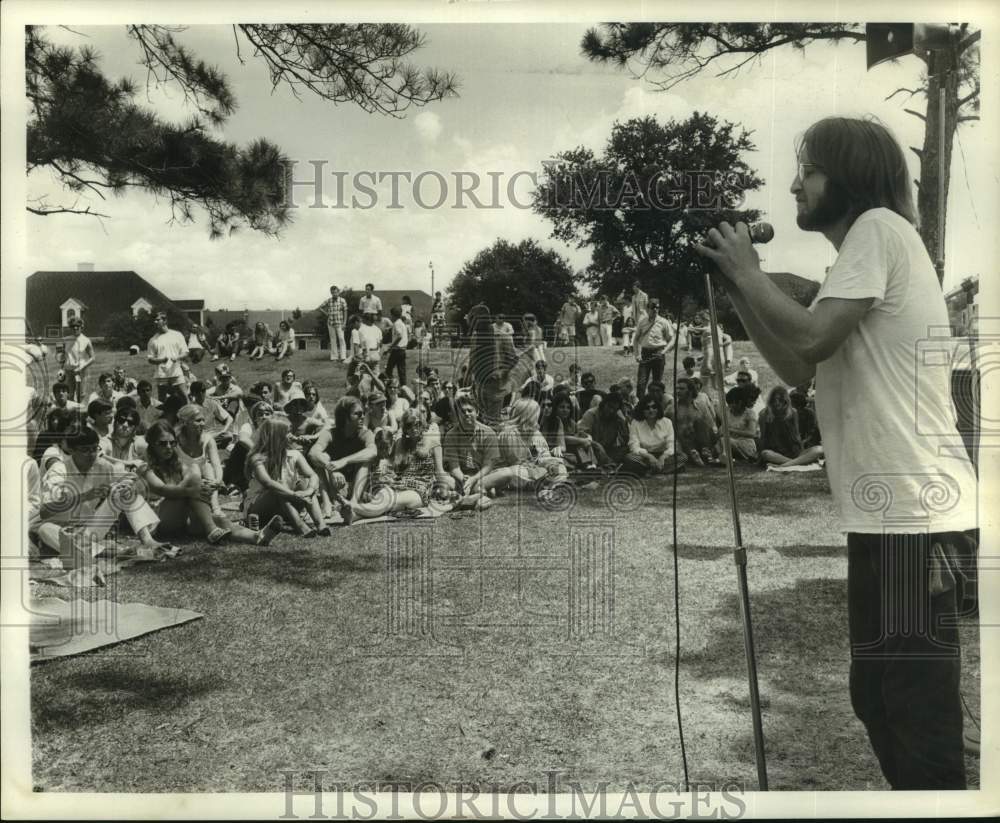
[780,442]
[743,427]
[651,442]
[281,481]
[341,456]
[186,493]
[409,474]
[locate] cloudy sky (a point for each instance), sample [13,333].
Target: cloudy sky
[525,94]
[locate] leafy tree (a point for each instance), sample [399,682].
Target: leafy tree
[90,132]
[512,279]
[639,204]
[667,54]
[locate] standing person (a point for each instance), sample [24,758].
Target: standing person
[167,350]
[285,341]
[370,303]
[858,339]
[592,324]
[653,339]
[568,315]
[534,338]
[406,307]
[397,347]
[369,342]
[79,356]
[640,302]
[607,313]
[335,310]
[438,317]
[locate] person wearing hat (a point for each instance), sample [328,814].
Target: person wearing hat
[654,337]
[227,392]
[377,416]
[83,497]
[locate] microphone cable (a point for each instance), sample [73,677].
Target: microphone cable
[677,601]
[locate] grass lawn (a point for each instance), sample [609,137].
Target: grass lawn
[311,654]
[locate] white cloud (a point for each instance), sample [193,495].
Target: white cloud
[428,126]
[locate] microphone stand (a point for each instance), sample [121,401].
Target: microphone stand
[739,553]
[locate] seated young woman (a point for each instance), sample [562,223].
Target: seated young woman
[780,441]
[409,473]
[281,481]
[561,431]
[186,493]
[523,449]
[342,454]
[651,441]
[196,445]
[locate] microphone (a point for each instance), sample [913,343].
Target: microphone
[761,233]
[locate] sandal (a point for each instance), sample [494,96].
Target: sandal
[218,534]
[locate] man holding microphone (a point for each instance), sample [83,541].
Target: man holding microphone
[907,503]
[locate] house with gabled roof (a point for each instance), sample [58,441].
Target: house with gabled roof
[54,297]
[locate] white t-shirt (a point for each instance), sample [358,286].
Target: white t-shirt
[370,338]
[172,345]
[404,336]
[883,399]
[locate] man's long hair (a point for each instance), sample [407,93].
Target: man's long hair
[864,164]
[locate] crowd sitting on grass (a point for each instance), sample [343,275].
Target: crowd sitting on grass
[275,455]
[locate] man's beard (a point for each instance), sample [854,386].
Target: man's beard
[833,204]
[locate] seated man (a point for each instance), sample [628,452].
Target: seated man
[83,498]
[105,389]
[218,422]
[471,451]
[540,385]
[342,455]
[149,408]
[695,427]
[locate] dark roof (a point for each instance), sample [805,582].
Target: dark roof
[104,292]
[421,300]
[189,305]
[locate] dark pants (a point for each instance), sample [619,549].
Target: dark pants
[650,368]
[905,658]
[396,360]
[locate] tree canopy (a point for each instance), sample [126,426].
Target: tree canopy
[512,279]
[93,135]
[638,206]
[666,54]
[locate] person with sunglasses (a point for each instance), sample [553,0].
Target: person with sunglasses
[342,455]
[79,353]
[185,495]
[83,496]
[128,447]
[651,442]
